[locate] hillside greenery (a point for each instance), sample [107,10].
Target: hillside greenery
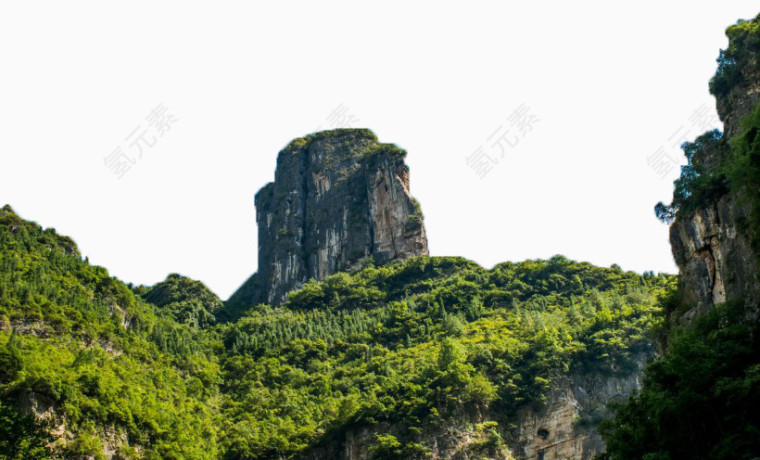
[702,400]
[80,341]
[164,372]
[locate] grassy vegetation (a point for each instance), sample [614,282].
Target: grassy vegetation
[385,149]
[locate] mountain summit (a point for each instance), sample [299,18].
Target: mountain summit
[339,199]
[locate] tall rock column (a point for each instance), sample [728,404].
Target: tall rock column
[338,198]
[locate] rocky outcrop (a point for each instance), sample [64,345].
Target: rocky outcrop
[566,427]
[461,438]
[716,261]
[712,244]
[338,199]
[112,440]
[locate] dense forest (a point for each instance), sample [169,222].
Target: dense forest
[168,372]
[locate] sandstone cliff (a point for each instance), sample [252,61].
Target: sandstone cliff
[338,199]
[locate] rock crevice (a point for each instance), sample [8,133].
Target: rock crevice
[711,244]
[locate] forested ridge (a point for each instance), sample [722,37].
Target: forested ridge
[168,372]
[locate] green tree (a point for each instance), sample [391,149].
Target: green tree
[22,437]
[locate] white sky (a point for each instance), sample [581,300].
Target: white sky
[609,84]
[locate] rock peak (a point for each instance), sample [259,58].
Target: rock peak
[339,198]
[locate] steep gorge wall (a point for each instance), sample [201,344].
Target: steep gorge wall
[712,244]
[716,261]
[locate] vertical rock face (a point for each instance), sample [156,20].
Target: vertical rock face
[714,256]
[711,244]
[338,198]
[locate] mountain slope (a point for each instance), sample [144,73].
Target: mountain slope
[423,356]
[106,372]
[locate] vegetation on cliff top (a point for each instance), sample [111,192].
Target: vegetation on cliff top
[412,344]
[299,143]
[715,165]
[739,59]
[348,137]
[702,179]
